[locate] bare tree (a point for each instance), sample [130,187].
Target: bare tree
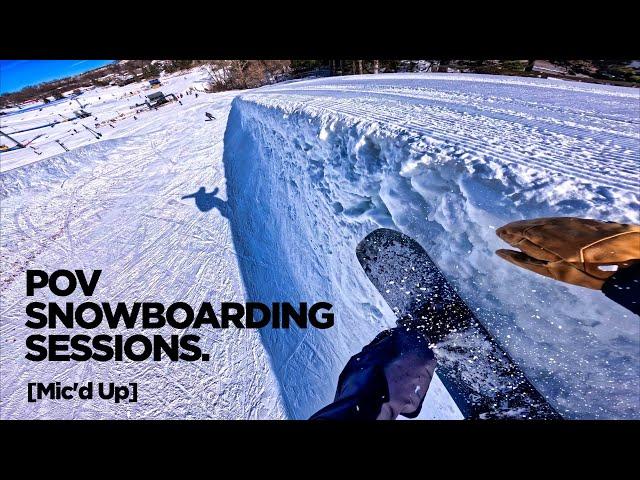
[376,66]
[359,67]
[240,74]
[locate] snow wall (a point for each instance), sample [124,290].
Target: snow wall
[304,187]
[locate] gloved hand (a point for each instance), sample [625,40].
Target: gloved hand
[389,377]
[571,249]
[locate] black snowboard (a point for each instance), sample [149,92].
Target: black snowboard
[481,377]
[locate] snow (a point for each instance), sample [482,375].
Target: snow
[446,159]
[304,170]
[116,205]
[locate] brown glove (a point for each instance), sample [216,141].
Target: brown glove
[571,249]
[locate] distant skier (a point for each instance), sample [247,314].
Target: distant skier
[209,117]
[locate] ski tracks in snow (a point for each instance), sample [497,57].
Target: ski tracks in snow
[447,159]
[444,158]
[577,143]
[117,206]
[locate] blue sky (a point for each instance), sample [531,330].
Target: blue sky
[16,74]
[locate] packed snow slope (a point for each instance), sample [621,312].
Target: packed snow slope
[313,166]
[287,180]
[117,205]
[50,128]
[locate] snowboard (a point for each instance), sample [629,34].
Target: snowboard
[481,377]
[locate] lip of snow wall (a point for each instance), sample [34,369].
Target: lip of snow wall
[305,187]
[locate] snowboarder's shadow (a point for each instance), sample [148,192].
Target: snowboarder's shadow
[208,201]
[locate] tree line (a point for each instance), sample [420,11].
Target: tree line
[242,74]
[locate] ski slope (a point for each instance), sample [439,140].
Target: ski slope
[116,205]
[295,174]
